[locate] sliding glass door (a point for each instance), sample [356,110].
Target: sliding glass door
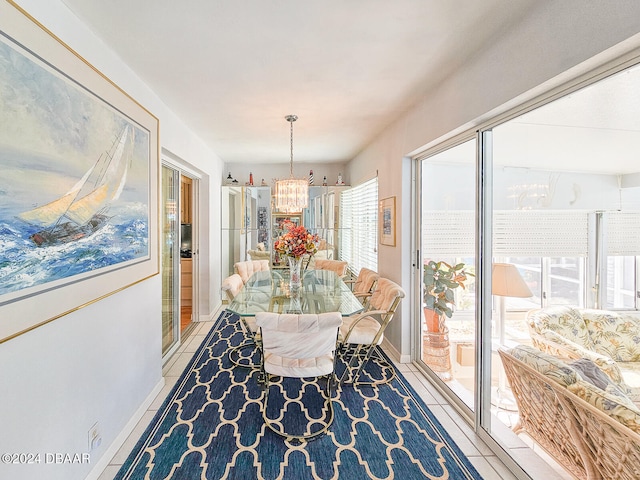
[541,210]
[170,259]
[448,262]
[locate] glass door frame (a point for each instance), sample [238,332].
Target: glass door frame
[174,242]
[417,164]
[180,170]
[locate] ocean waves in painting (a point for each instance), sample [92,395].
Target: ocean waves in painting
[24,265]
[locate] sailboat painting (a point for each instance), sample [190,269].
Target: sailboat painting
[75,189]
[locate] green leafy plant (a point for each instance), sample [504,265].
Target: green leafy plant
[440,280]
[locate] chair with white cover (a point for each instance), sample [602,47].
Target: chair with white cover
[231,286]
[337,266]
[299,346]
[364,285]
[361,333]
[249,267]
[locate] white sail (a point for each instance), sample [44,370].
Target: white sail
[88,196]
[49,214]
[81,211]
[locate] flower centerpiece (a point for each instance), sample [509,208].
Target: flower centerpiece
[294,244]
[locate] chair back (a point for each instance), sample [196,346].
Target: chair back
[335,265]
[386,297]
[366,281]
[299,336]
[232,285]
[247,268]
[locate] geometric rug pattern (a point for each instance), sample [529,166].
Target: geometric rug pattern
[211,427]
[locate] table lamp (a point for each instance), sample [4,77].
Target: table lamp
[506,281]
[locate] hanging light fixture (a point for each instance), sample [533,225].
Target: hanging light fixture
[292,195]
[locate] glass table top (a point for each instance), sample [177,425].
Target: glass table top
[268,291]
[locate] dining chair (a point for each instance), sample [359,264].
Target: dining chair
[364,285]
[337,266]
[248,267]
[299,346]
[231,286]
[362,333]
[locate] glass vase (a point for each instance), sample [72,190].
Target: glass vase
[295,280]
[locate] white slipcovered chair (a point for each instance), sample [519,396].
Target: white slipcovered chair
[361,333]
[249,267]
[299,346]
[231,286]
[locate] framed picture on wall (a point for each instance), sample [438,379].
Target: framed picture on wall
[387,221]
[79,188]
[280,220]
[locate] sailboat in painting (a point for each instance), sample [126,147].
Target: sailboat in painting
[81,211]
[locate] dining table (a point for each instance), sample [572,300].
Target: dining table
[320,291]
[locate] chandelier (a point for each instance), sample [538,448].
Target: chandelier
[292,195]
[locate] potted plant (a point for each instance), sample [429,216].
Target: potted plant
[440,280]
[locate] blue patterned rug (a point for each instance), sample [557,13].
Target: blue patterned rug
[211,427]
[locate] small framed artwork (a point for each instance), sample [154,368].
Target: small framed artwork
[387,221]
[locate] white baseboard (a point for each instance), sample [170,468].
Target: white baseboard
[394,353]
[104,460]
[213,314]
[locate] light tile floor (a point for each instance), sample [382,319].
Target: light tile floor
[480,455]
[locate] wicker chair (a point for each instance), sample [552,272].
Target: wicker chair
[584,439]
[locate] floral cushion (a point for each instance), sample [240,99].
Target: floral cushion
[614,335]
[611,401]
[546,364]
[563,320]
[575,350]
[631,376]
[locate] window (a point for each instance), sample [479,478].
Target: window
[359,226]
[621,248]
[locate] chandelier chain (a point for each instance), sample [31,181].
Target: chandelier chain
[291,119]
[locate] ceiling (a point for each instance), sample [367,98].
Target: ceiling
[232,70]
[593,130]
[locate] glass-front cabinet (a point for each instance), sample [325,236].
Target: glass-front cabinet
[250,223]
[246,225]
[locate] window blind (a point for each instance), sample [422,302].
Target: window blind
[522,233]
[448,234]
[542,233]
[622,233]
[359,226]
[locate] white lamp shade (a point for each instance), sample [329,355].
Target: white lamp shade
[506,281]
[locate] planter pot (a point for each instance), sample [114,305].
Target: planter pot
[432,320]
[436,352]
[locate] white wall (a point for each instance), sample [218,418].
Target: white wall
[530,58]
[101,363]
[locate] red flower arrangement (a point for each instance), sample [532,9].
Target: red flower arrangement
[296,242]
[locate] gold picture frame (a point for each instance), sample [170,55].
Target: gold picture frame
[387,221]
[75,241]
